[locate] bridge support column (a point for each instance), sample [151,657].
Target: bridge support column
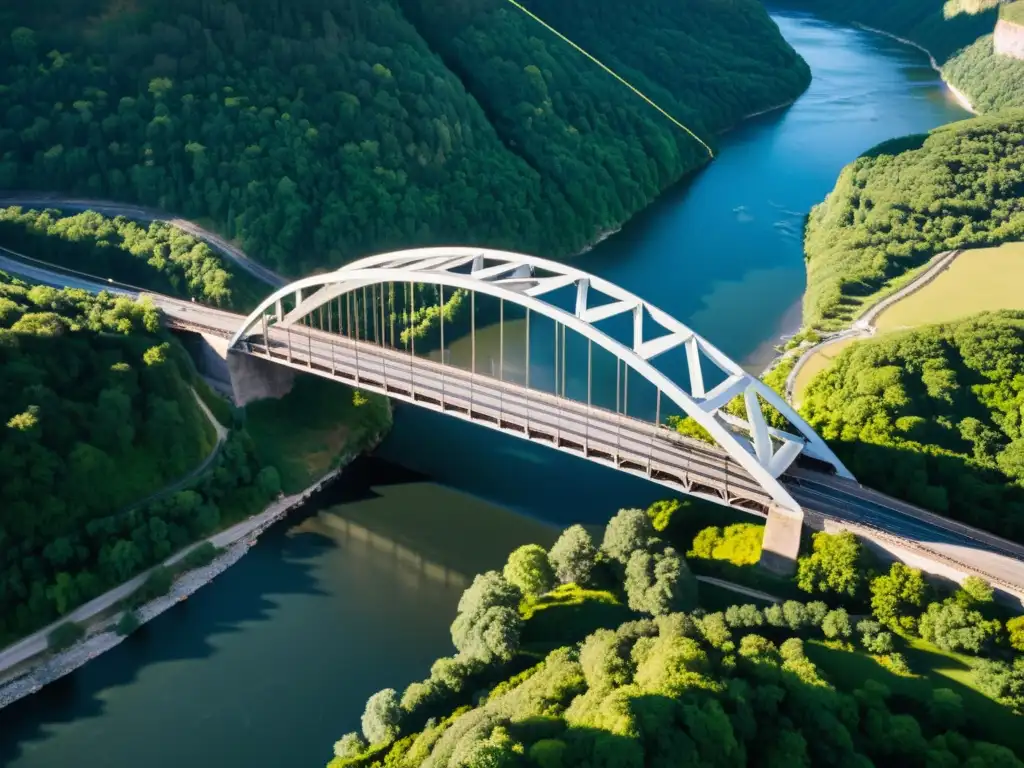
[781,545]
[254,378]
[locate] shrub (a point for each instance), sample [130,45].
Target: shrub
[874,639]
[199,556]
[661,513]
[488,623]
[659,583]
[739,544]
[1015,630]
[898,594]
[835,566]
[381,717]
[836,625]
[953,626]
[547,753]
[629,531]
[795,614]
[737,616]
[127,624]
[815,613]
[897,664]
[573,555]
[64,636]
[349,745]
[774,616]
[528,569]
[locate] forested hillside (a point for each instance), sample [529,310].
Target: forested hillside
[935,416]
[154,256]
[98,412]
[317,131]
[994,82]
[907,200]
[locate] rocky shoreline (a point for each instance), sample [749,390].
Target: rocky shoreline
[960,96]
[102,637]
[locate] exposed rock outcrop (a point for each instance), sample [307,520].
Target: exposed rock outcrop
[1009,39]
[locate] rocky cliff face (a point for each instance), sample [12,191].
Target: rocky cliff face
[1009,39]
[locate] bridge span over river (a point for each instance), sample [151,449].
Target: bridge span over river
[360,325]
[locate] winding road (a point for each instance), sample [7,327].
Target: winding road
[864,326]
[139,213]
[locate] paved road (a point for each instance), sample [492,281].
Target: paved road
[864,326]
[138,213]
[641,445]
[642,448]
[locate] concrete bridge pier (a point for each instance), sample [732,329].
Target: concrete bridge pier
[253,378]
[247,378]
[781,544]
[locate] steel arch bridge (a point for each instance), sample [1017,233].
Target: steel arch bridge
[764,452]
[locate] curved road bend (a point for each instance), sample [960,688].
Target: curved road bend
[138,213]
[956,544]
[864,326]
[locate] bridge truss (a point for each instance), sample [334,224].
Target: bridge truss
[743,434]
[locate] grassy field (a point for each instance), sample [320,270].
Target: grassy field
[305,433]
[933,668]
[978,280]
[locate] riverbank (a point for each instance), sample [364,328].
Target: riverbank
[16,681]
[959,95]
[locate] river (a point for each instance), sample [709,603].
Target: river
[273,661]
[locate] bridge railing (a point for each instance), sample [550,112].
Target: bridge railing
[619,440]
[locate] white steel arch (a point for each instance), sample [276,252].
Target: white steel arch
[763,451]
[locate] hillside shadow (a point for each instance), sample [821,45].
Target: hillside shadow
[245,594]
[185,632]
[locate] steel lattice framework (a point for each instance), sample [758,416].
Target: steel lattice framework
[763,451]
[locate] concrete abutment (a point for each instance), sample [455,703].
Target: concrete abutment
[247,378]
[780,547]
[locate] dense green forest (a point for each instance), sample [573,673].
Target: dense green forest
[934,415]
[594,654]
[88,385]
[99,412]
[993,82]
[317,131]
[158,257]
[907,200]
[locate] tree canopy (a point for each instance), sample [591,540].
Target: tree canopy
[933,415]
[98,412]
[319,131]
[907,200]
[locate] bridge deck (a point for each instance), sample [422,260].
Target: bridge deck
[632,445]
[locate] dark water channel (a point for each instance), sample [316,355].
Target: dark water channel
[274,660]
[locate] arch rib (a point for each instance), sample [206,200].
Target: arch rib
[511,276]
